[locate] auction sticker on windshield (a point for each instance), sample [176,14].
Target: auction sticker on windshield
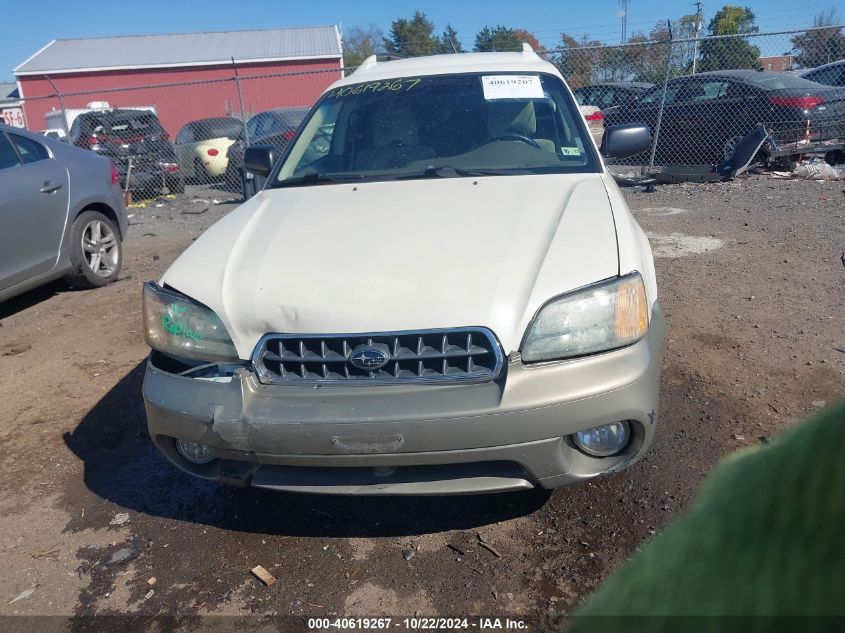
[512,87]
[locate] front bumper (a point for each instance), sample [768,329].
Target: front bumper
[508,434]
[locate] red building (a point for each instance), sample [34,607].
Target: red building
[776,63]
[276,68]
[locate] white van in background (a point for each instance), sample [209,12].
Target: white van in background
[55,122]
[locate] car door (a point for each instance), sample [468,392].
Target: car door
[33,209]
[185,148]
[645,112]
[744,106]
[697,117]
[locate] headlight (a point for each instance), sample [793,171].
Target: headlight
[177,326]
[595,319]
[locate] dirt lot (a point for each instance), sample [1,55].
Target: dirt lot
[752,287]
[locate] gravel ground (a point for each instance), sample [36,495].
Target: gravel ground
[752,286]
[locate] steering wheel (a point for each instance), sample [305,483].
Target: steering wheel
[513,136]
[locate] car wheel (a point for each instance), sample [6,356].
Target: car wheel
[200,174]
[176,184]
[729,146]
[96,251]
[232,176]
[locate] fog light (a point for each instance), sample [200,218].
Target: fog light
[604,440]
[195,452]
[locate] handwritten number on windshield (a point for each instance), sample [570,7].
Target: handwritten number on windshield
[390,86]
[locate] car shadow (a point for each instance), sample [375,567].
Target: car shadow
[233,192]
[122,466]
[21,302]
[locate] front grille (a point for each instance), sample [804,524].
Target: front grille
[471,354]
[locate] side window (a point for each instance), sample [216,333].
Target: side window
[322,142]
[585,95]
[696,91]
[30,151]
[8,155]
[713,90]
[603,97]
[738,90]
[624,97]
[653,98]
[186,135]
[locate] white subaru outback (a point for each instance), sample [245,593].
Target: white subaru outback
[440,290]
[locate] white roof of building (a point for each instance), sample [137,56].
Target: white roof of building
[183,49]
[526,61]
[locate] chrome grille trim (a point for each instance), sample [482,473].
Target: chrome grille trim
[469,354]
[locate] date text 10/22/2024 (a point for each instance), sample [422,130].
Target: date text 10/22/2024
[417,623]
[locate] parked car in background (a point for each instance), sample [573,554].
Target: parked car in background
[487,319]
[594,100]
[54,133]
[134,136]
[706,114]
[832,74]
[273,127]
[62,120]
[61,214]
[609,95]
[202,146]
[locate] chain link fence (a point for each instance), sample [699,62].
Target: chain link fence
[164,137]
[698,96]
[701,96]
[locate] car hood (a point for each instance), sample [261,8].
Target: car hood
[401,255]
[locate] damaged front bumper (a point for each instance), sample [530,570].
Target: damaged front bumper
[508,434]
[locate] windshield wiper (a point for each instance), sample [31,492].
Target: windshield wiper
[447,171]
[315,178]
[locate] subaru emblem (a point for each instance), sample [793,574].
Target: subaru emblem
[369,357]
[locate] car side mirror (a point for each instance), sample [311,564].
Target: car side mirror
[622,141]
[259,159]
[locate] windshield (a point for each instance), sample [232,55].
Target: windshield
[216,128]
[442,125]
[128,125]
[275,122]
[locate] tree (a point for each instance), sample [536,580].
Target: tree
[732,52]
[824,45]
[577,61]
[412,38]
[647,57]
[500,38]
[360,43]
[686,28]
[529,38]
[449,42]
[641,60]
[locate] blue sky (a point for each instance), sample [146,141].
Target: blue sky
[29,25]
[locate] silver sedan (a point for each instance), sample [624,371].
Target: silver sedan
[61,214]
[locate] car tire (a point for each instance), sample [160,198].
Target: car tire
[96,251]
[176,184]
[200,174]
[232,177]
[729,146]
